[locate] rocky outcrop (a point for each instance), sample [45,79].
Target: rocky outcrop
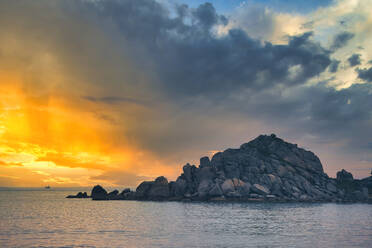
[344,176]
[79,195]
[99,193]
[154,190]
[266,169]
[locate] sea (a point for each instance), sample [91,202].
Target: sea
[45,218]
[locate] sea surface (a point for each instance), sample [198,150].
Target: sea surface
[45,218]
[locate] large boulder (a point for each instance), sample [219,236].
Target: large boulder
[99,193]
[344,176]
[143,189]
[205,173]
[159,189]
[204,162]
[228,186]
[180,187]
[113,195]
[260,189]
[215,191]
[125,191]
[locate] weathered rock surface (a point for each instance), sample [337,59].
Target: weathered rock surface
[265,169]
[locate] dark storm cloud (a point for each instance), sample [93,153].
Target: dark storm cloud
[354,60]
[189,59]
[333,67]
[341,39]
[365,74]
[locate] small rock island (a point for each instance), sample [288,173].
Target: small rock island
[264,169]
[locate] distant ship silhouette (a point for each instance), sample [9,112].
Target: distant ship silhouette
[47,187]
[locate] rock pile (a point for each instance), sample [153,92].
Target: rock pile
[264,169]
[79,195]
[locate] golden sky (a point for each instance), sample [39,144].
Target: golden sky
[57,140]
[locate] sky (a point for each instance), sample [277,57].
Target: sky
[115,92]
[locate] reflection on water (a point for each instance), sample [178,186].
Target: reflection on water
[46,218]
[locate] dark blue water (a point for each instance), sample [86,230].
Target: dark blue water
[47,219]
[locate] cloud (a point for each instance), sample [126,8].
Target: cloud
[333,67]
[354,60]
[203,89]
[263,23]
[120,178]
[365,74]
[341,39]
[113,100]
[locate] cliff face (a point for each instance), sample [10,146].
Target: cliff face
[266,168]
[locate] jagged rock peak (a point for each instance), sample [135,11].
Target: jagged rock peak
[270,148]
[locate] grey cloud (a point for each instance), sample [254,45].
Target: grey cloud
[333,67]
[322,111]
[207,16]
[365,74]
[180,54]
[187,59]
[354,60]
[341,39]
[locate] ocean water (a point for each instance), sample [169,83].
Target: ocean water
[46,218]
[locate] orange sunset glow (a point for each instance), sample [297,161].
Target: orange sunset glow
[48,140]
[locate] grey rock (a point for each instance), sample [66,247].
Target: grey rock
[343,175]
[253,195]
[113,194]
[205,162]
[99,193]
[233,194]
[205,173]
[180,187]
[159,189]
[80,195]
[215,190]
[143,189]
[259,189]
[126,190]
[205,186]
[331,187]
[161,181]
[188,172]
[271,196]
[365,192]
[227,186]
[276,190]
[282,171]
